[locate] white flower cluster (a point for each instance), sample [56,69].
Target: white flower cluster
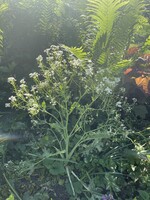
[11,80]
[22,81]
[47,51]
[12,99]
[89,68]
[33,107]
[53,52]
[34,75]
[39,58]
[74,62]
[23,85]
[108,90]
[119,104]
[28,95]
[106,83]
[34,89]
[7,105]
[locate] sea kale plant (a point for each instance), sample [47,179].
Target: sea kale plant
[74,110]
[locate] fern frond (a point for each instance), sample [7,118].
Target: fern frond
[26,4]
[124,28]
[59,7]
[46,16]
[113,23]
[77,51]
[121,65]
[49,11]
[146,45]
[102,58]
[1,39]
[103,15]
[3,7]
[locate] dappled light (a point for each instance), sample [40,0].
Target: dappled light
[75,100]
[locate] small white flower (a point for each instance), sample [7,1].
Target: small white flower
[76,62]
[28,95]
[49,58]
[54,47]
[47,51]
[39,58]
[108,90]
[33,88]
[117,80]
[7,105]
[122,89]
[60,52]
[118,104]
[22,81]
[134,100]
[33,111]
[33,75]
[23,86]
[89,71]
[57,63]
[64,61]
[12,98]
[34,122]
[11,79]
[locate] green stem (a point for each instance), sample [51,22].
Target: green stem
[52,116]
[12,189]
[76,124]
[66,132]
[68,174]
[80,181]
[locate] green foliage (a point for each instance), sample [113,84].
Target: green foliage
[77,51]
[144,195]
[103,16]
[50,11]
[122,65]
[110,26]
[1,39]
[124,29]
[146,45]
[125,63]
[3,8]
[78,139]
[11,197]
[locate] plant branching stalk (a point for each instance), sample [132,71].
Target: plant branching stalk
[66,130]
[80,181]
[76,124]
[69,177]
[52,116]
